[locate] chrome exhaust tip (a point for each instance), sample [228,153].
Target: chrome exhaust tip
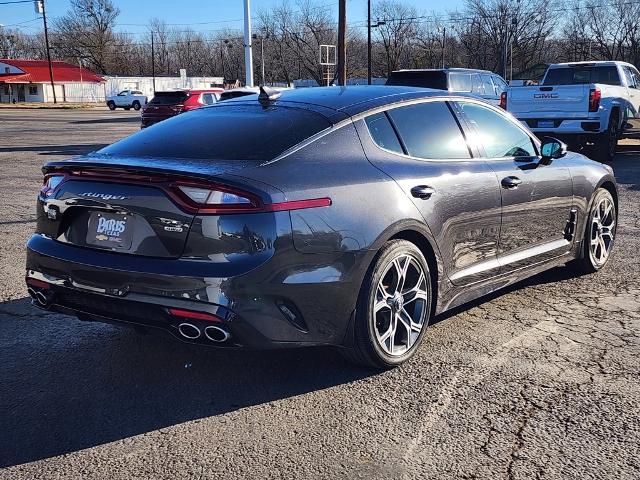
[42,299]
[216,334]
[32,293]
[188,330]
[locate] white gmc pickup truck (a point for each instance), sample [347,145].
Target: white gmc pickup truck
[585,104]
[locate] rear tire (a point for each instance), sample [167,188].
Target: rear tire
[599,233]
[111,105]
[393,309]
[136,105]
[605,146]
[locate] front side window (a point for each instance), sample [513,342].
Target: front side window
[499,136]
[489,87]
[430,131]
[382,132]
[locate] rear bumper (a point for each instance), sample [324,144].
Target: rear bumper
[582,126]
[148,120]
[270,306]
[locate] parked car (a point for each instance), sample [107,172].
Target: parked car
[480,83]
[238,92]
[164,105]
[324,216]
[585,104]
[127,99]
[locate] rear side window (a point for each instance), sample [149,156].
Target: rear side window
[419,78]
[489,87]
[607,75]
[459,82]
[429,130]
[168,98]
[499,136]
[382,132]
[225,132]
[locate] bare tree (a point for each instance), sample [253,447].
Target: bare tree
[86,31]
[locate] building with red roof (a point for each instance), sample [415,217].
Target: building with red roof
[29,81]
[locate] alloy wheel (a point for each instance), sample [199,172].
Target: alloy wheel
[400,305]
[603,224]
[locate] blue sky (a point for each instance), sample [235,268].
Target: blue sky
[218,14]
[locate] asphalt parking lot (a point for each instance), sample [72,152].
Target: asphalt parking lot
[539,381]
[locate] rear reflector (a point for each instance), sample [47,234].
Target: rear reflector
[38,283]
[297,204]
[178,312]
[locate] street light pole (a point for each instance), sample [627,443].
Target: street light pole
[248,56]
[368,42]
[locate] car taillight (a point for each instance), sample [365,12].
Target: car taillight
[214,198]
[50,183]
[503,100]
[594,99]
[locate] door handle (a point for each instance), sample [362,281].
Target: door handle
[422,192]
[511,182]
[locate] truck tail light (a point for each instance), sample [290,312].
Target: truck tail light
[503,100]
[594,99]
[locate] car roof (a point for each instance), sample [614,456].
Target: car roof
[454,69]
[346,101]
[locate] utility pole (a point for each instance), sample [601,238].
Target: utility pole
[342,42]
[368,42]
[40,8]
[153,63]
[444,39]
[248,56]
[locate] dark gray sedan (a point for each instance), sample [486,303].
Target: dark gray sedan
[329,216]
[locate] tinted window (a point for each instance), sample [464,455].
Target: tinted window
[227,132]
[168,98]
[419,78]
[499,136]
[459,82]
[429,130]
[582,74]
[382,132]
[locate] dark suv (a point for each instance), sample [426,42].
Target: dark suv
[479,83]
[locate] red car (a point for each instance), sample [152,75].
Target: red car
[168,104]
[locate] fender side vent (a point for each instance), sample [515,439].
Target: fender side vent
[292,314]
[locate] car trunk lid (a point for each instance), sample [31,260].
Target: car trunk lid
[124,205]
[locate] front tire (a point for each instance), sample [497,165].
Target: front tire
[394,307]
[599,233]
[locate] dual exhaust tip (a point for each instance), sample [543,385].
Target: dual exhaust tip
[211,332]
[43,298]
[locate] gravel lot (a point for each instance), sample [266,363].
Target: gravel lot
[539,381]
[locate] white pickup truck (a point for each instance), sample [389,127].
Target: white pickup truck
[585,104]
[127,99]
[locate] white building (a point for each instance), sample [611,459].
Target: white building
[115,84]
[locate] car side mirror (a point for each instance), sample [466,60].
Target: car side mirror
[552,148]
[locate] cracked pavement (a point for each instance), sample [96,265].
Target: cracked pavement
[541,380]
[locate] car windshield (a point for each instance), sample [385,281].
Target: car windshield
[419,78]
[168,98]
[225,132]
[579,75]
